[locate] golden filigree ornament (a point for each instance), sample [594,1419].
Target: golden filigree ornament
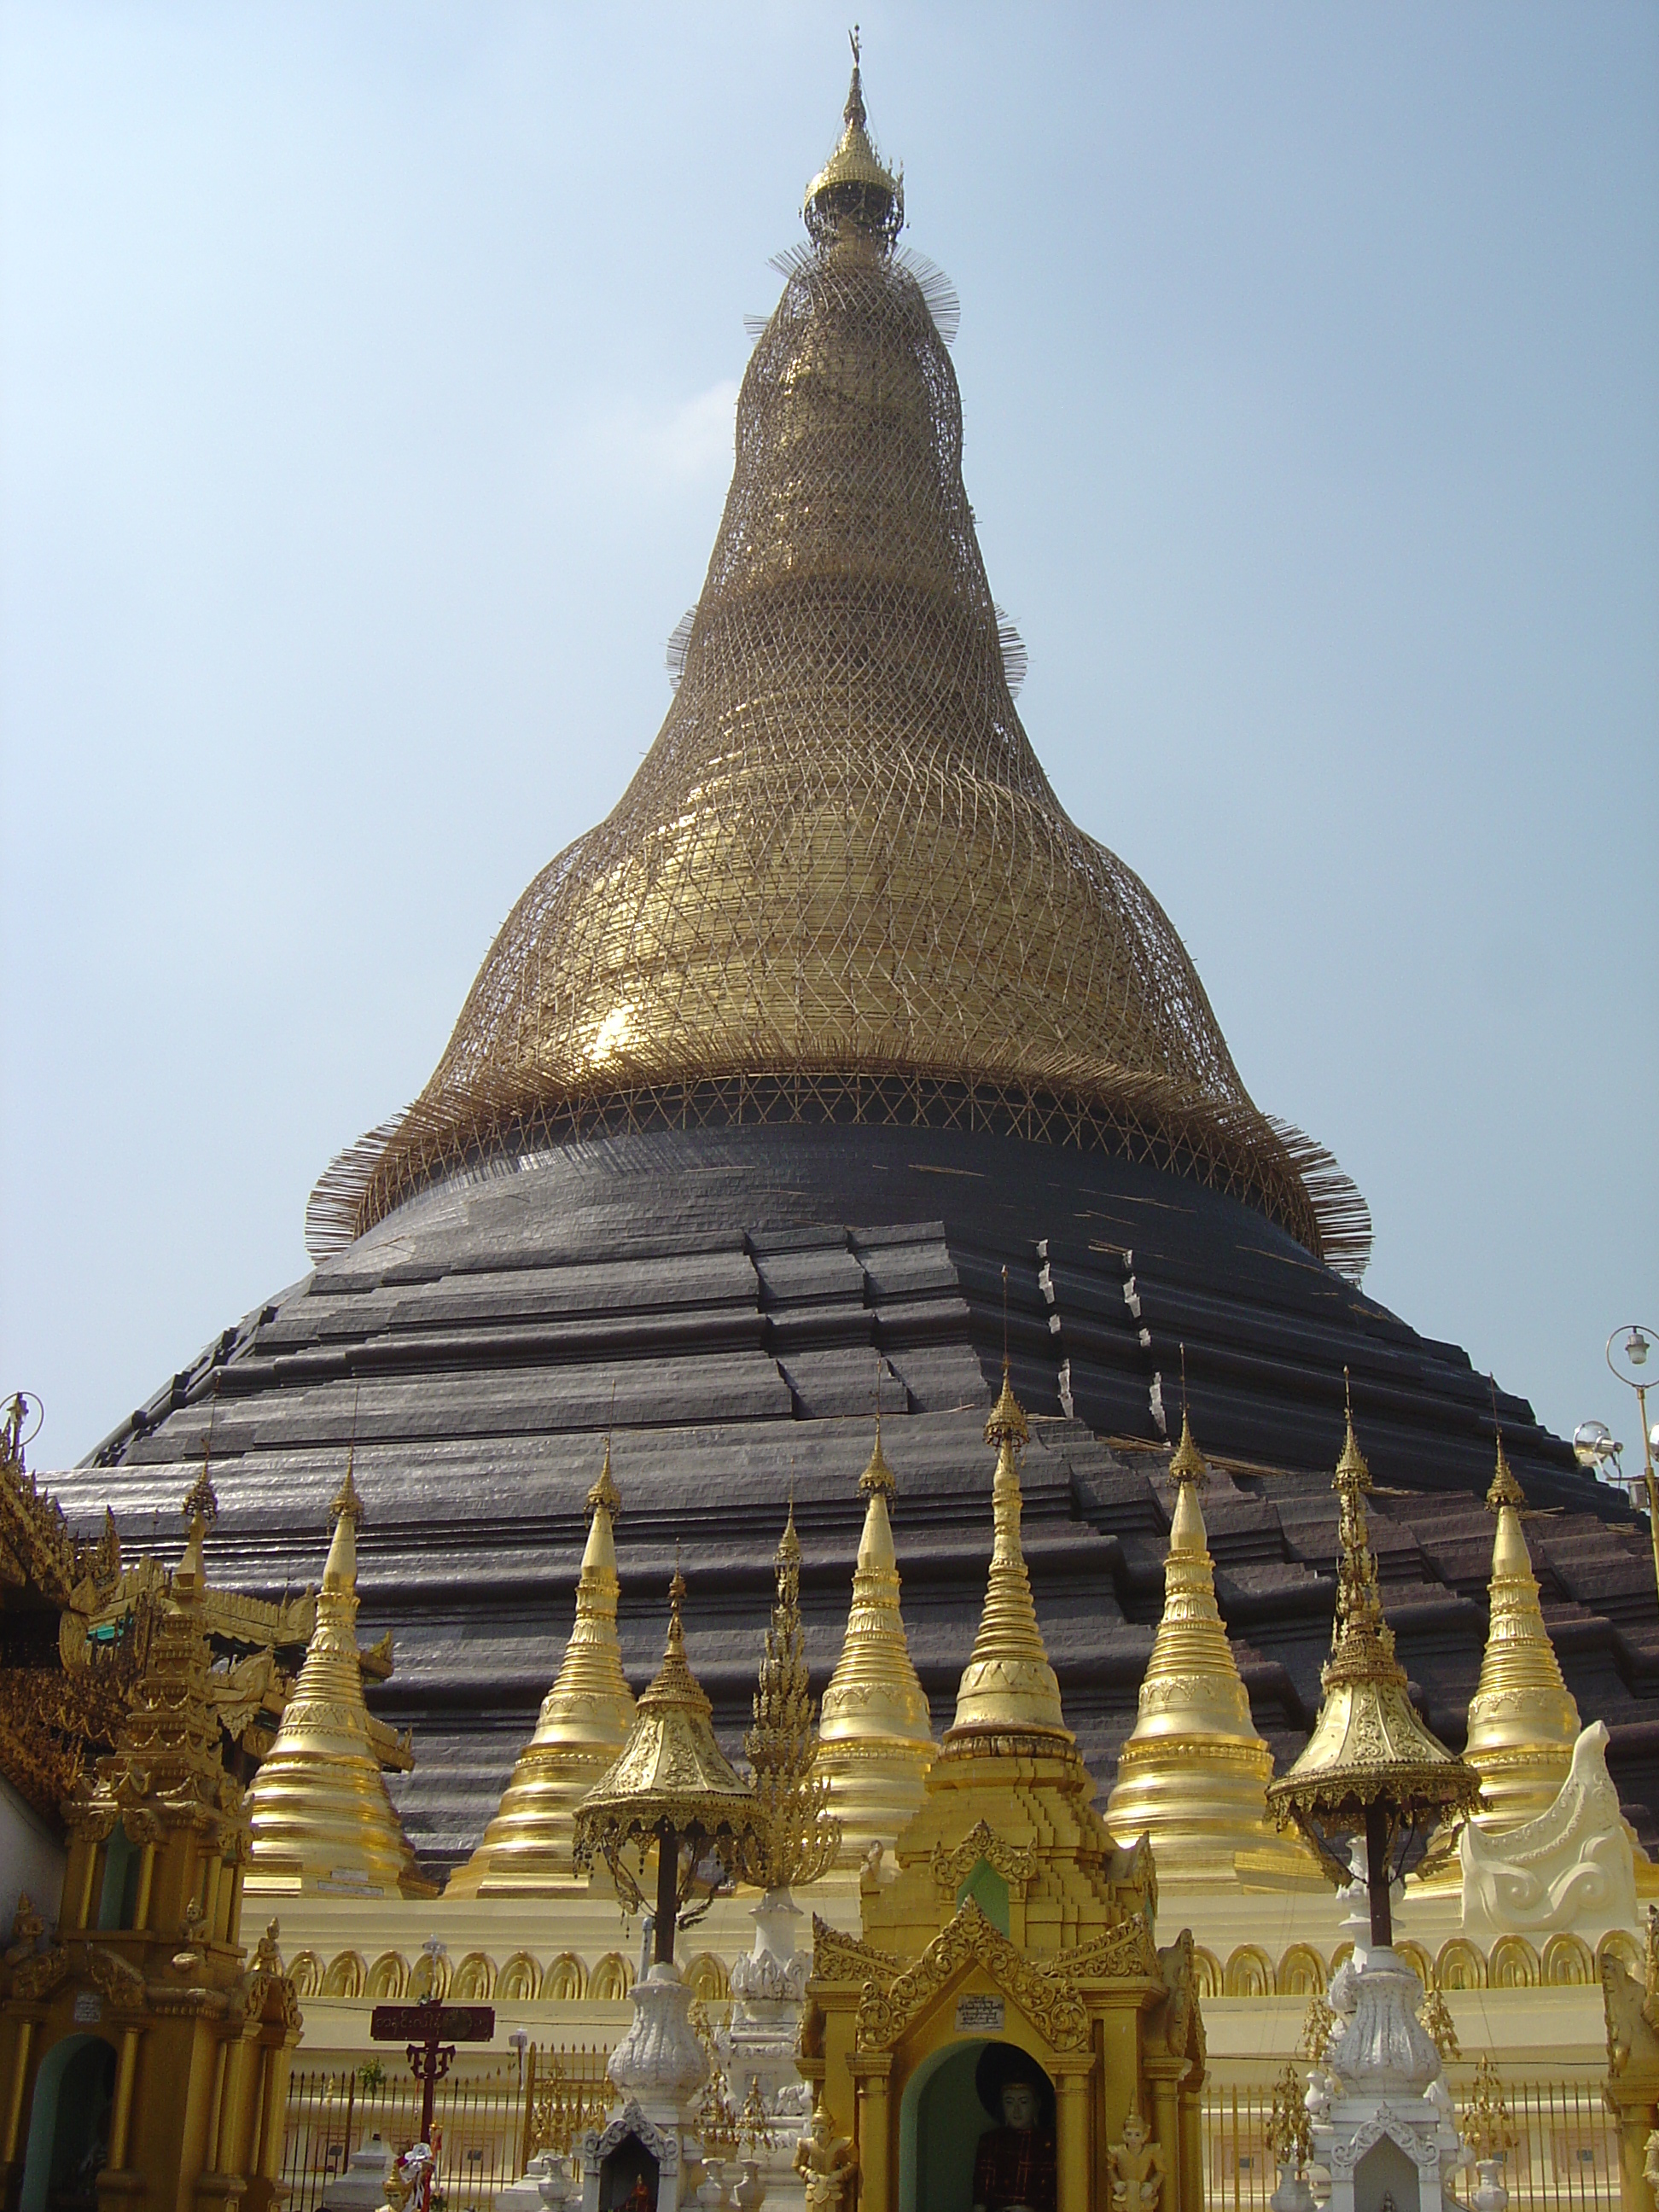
[670,1793]
[797,1838]
[1369,1766]
[1486,2122]
[1288,2130]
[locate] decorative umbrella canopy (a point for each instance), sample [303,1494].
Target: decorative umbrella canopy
[1370,1764]
[672,1788]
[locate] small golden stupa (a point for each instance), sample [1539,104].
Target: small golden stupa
[1522,1721]
[1194,1774]
[1007,1687]
[875,1736]
[583,1725]
[322,1819]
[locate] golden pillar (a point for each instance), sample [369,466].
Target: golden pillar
[126,2073]
[1072,2140]
[1164,2082]
[20,2074]
[875,2151]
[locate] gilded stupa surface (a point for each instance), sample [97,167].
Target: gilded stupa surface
[840,878]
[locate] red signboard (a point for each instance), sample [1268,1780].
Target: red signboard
[435,2023]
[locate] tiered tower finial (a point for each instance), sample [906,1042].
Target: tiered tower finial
[582,1726]
[854,191]
[796,1837]
[1193,1776]
[875,1738]
[322,1818]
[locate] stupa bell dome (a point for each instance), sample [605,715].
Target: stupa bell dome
[840,887]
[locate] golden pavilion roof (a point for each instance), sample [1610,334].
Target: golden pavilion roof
[840,885]
[670,1768]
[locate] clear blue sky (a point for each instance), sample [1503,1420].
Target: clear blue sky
[367,378]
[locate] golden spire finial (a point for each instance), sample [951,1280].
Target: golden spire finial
[603,1495]
[1007,1424]
[1008,1686]
[201,1503]
[875,1737]
[321,1813]
[853,187]
[1505,1490]
[1187,1465]
[796,1840]
[1194,1773]
[583,1724]
[1522,1720]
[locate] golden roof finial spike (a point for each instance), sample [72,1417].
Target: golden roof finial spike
[584,1722]
[1193,1774]
[875,1736]
[320,1810]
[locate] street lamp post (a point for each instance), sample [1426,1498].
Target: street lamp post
[1638,1343]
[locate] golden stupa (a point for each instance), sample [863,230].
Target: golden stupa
[843,810]
[1193,1776]
[582,1726]
[322,1819]
[875,1735]
[1008,1690]
[1522,1721]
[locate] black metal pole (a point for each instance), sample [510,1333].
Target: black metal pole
[668,1883]
[1377,1874]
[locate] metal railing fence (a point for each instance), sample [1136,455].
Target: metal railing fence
[491,2121]
[1565,2160]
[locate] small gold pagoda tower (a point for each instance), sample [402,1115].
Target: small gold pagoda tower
[1522,1721]
[583,1725]
[1014,1944]
[322,1821]
[1192,1776]
[875,1735]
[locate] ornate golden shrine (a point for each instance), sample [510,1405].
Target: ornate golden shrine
[1014,1920]
[140,2029]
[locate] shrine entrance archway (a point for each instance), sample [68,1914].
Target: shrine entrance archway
[941,2119]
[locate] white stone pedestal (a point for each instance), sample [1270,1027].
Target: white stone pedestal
[1382,2118]
[658,2070]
